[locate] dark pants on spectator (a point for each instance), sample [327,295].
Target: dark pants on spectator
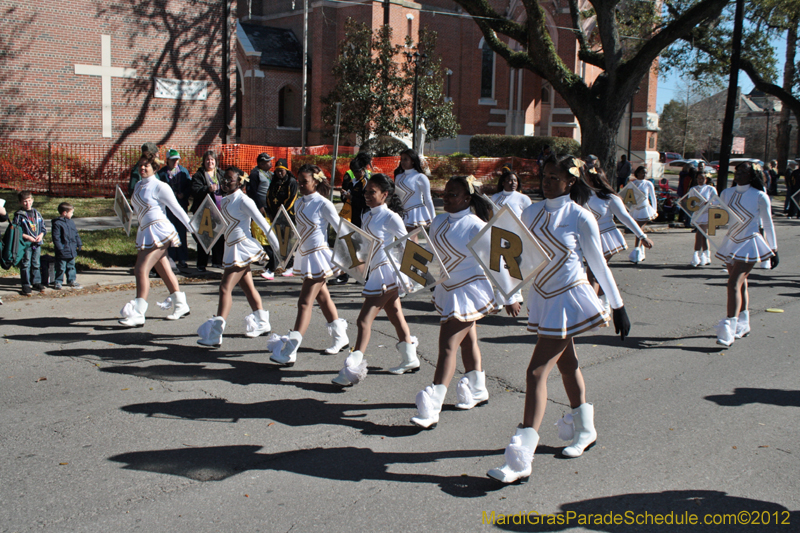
[62,266]
[217,252]
[29,271]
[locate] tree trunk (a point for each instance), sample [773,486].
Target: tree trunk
[599,138]
[784,129]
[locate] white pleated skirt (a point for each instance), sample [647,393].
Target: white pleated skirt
[417,216]
[646,213]
[570,313]
[383,279]
[465,300]
[752,250]
[315,265]
[243,252]
[157,235]
[613,242]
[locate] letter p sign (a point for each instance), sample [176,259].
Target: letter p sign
[717,218]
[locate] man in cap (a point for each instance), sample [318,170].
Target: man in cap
[180,181]
[147,148]
[260,178]
[282,192]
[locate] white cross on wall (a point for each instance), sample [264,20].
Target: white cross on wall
[106,72]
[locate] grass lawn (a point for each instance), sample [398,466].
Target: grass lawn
[101,249]
[48,207]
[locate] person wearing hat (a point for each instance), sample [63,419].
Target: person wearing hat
[180,181]
[260,178]
[282,192]
[147,148]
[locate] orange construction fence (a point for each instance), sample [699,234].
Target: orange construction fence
[90,170]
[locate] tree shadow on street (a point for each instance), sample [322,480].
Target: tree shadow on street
[745,395]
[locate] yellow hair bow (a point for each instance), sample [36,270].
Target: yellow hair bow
[470,181]
[576,169]
[319,176]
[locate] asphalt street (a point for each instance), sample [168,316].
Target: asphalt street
[110,429]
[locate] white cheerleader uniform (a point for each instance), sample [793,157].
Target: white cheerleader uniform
[414,190]
[151,197]
[518,202]
[646,211]
[241,248]
[385,225]
[744,242]
[604,212]
[707,192]
[468,295]
[312,260]
[561,302]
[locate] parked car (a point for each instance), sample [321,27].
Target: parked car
[669,157]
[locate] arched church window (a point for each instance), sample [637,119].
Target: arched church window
[487,71]
[288,103]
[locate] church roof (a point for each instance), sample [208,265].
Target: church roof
[278,46]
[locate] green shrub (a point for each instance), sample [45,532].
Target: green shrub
[383,146]
[523,146]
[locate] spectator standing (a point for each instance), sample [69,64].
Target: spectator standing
[206,182]
[282,192]
[180,181]
[772,178]
[623,171]
[147,148]
[67,244]
[792,186]
[260,179]
[33,231]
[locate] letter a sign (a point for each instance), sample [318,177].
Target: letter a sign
[416,261]
[287,236]
[353,250]
[508,252]
[209,224]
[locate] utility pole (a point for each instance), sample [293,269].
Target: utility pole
[305,77]
[335,147]
[730,104]
[417,60]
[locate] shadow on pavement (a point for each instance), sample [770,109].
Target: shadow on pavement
[745,395]
[341,464]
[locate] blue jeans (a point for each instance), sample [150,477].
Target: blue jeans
[63,265]
[29,271]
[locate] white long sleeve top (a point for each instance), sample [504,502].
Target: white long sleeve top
[568,232]
[517,201]
[414,190]
[151,198]
[706,192]
[313,213]
[754,208]
[646,187]
[386,226]
[450,233]
[604,212]
[239,209]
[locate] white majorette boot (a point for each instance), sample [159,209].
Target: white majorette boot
[429,405]
[257,323]
[176,300]
[518,456]
[410,362]
[471,390]
[353,372]
[637,255]
[705,257]
[284,349]
[584,435]
[133,313]
[642,254]
[210,332]
[338,331]
[696,259]
[742,325]
[726,331]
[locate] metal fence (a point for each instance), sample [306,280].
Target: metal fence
[91,170]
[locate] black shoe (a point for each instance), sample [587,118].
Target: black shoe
[216,265]
[344,278]
[26,290]
[153,274]
[182,264]
[38,287]
[201,269]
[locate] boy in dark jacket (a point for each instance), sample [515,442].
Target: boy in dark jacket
[67,243]
[33,231]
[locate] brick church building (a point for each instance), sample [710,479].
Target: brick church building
[157,70]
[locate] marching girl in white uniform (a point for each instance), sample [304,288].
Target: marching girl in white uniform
[383,287]
[241,249]
[151,197]
[461,301]
[312,263]
[701,254]
[414,190]
[605,205]
[561,305]
[508,194]
[643,213]
[744,246]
